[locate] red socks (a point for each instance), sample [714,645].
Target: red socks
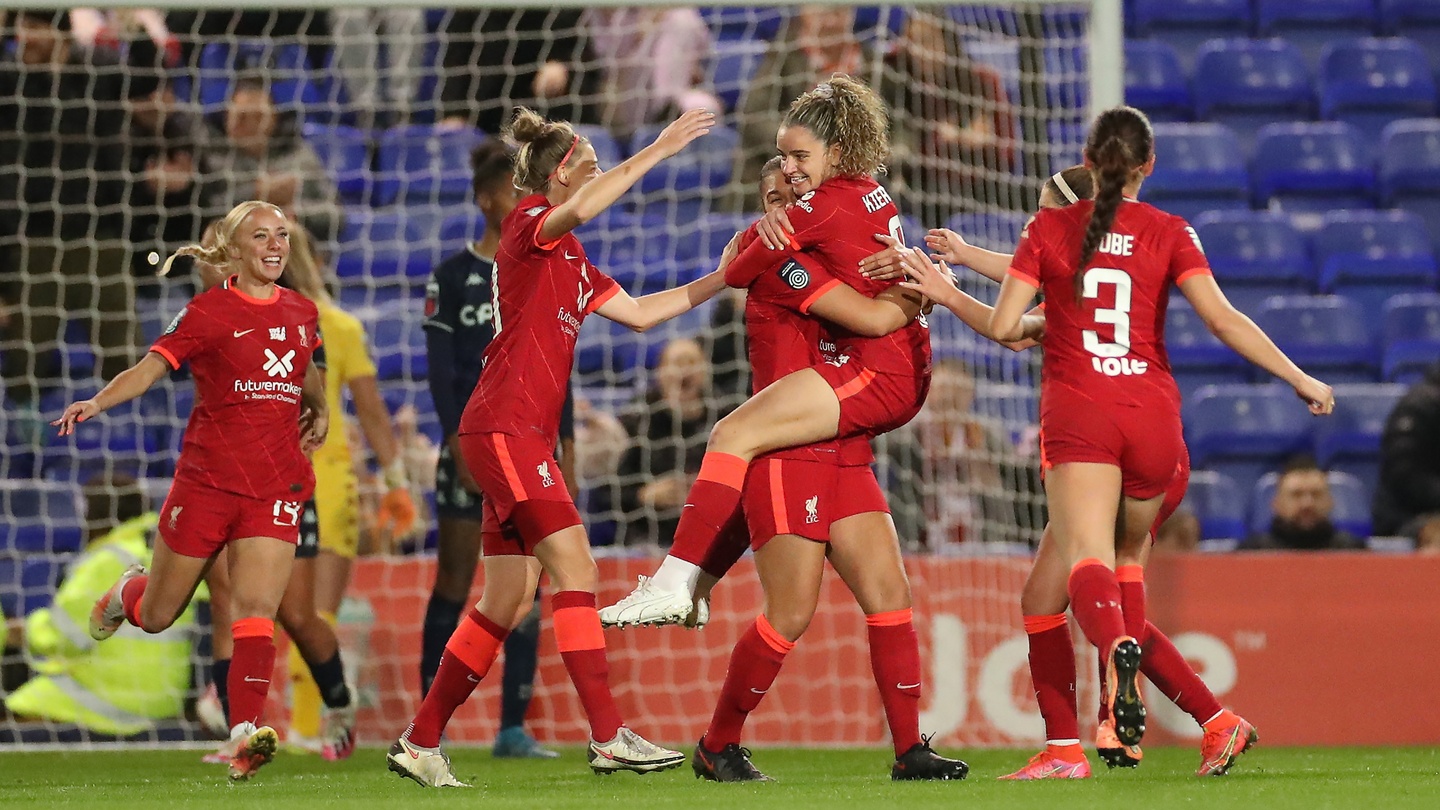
[1174,677]
[1131,579]
[1095,601]
[713,500]
[754,664]
[1052,671]
[251,665]
[582,648]
[471,650]
[131,596]
[729,546]
[895,660]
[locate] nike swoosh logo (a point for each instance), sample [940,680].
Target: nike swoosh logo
[568,257]
[243,334]
[413,753]
[249,679]
[759,691]
[907,686]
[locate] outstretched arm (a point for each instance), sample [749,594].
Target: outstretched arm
[603,191]
[1235,329]
[937,282]
[949,246]
[649,311]
[127,385]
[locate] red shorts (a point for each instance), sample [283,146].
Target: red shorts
[198,520]
[1145,443]
[1174,495]
[526,499]
[872,403]
[789,496]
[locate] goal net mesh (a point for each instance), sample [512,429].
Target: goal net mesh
[126,133]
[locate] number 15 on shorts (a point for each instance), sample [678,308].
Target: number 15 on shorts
[287,513]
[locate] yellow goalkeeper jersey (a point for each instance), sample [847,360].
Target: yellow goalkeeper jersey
[348,358]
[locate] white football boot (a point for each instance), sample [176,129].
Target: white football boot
[631,752]
[428,767]
[649,606]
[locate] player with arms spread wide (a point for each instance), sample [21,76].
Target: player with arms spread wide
[1110,408]
[243,476]
[875,381]
[544,286]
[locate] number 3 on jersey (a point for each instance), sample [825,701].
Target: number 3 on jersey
[1109,357]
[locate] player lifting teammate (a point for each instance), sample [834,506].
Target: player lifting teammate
[242,477]
[1110,409]
[544,288]
[1044,600]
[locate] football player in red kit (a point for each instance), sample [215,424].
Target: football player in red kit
[544,286]
[243,476]
[1044,600]
[1110,408]
[832,142]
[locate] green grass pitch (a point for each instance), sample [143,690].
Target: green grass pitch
[832,779]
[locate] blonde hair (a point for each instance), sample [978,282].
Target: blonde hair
[302,272]
[845,112]
[543,146]
[217,252]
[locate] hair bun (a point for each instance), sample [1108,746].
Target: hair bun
[526,127]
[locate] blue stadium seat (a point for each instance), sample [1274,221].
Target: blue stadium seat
[1155,82]
[993,231]
[1191,345]
[1417,19]
[1243,430]
[1352,503]
[1247,84]
[1255,254]
[1412,335]
[380,245]
[1371,82]
[1325,334]
[459,230]
[1186,24]
[714,233]
[425,163]
[398,343]
[284,67]
[1313,24]
[42,516]
[607,149]
[40,576]
[1198,167]
[744,22]
[606,354]
[1410,170]
[1369,256]
[1218,503]
[681,186]
[11,591]
[1312,167]
[345,153]
[733,66]
[1353,430]
[415,394]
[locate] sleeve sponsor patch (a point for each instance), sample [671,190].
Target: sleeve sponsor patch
[175,324]
[795,275]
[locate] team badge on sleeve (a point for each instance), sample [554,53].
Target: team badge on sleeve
[795,275]
[175,324]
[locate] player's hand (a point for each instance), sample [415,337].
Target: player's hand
[732,249]
[775,230]
[462,470]
[77,412]
[314,429]
[1319,396]
[934,281]
[397,515]
[946,245]
[884,265]
[689,126]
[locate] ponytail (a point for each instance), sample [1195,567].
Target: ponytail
[1120,142]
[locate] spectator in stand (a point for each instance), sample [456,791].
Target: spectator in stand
[1301,508]
[1180,534]
[953,128]
[108,28]
[497,59]
[122,686]
[814,44]
[1407,501]
[668,430]
[61,188]
[600,440]
[654,61]
[384,89]
[259,155]
[164,206]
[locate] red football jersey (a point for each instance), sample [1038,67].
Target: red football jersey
[835,227]
[782,339]
[248,357]
[541,292]
[1111,346]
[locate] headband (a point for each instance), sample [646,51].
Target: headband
[568,153]
[1065,190]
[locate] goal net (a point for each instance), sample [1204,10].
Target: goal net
[126,132]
